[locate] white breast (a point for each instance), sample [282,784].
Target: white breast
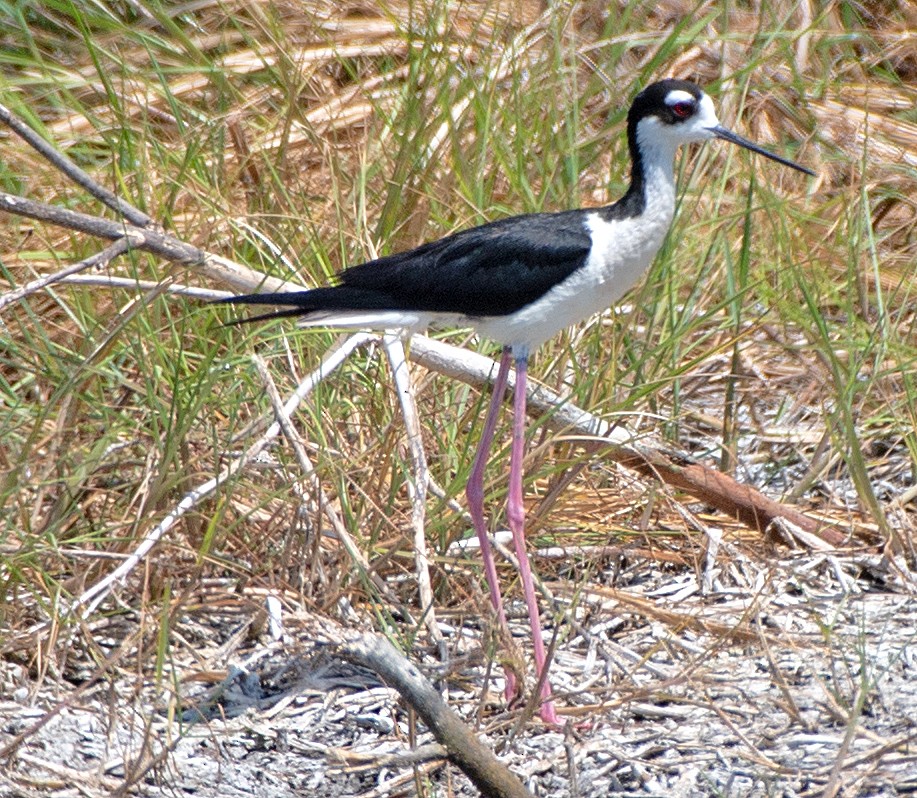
[622,250]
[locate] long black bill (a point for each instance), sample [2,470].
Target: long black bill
[727,135]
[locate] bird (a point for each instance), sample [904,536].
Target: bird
[518,281]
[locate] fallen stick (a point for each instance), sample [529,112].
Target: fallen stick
[476,760]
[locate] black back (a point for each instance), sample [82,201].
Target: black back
[491,270]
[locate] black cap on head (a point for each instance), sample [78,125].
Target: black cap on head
[651,101]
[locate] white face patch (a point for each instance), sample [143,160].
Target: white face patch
[706,113]
[696,126]
[679,96]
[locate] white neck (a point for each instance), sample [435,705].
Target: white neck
[657,158]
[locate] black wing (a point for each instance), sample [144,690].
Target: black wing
[491,270]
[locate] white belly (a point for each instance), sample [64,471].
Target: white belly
[622,251]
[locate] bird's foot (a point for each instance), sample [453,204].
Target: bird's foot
[549,714]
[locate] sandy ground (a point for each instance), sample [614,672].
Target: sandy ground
[794,681]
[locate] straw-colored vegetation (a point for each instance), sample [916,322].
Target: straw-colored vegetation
[774,337]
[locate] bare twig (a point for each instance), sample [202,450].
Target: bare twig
[155,242]
[93,596]
[166,246]
[358,761]
[110,252]
[71,170]
[477,761]
[417,487]
[133,284]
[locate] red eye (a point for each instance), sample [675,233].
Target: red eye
[683,109]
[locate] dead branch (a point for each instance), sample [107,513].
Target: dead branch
[162,244]
[145,239]
[654,460]
[478,762]
[100,259]
[63,164]
[417,488]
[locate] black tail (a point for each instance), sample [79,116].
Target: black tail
[294,299]
[302,303]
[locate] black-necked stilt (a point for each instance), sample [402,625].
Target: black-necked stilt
[521,280]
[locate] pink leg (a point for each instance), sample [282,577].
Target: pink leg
[474,491]
[515,512]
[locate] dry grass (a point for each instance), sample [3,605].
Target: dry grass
[301,137]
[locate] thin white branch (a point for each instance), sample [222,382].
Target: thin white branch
[113,250]
[93,596]
[129,283]
[417,487]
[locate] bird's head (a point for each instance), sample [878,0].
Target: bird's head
[673,112]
